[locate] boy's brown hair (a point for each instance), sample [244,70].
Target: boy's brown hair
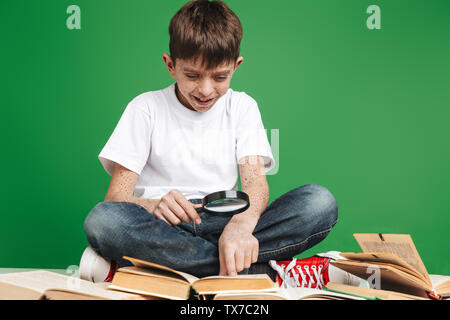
[205,29]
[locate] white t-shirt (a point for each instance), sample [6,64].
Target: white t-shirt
[172,147]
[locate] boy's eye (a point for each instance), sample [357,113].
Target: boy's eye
[195,76]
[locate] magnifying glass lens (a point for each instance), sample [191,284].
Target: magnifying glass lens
[226,205]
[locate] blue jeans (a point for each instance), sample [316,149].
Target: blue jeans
[291,224]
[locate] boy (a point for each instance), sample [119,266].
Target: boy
[190,139]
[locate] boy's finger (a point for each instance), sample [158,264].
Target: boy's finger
[255,255]
[230,263]
[248,258]
[223,269]
[239,260]
[169,215]
[178,210]
[173,219]
[189,208]
[159,215]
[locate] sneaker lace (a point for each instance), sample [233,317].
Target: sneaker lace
[291,279]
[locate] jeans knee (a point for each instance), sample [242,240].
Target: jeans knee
[320,204]
[325,204]
[100,222]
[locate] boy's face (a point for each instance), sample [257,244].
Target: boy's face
[199,88]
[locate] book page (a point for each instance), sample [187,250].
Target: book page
[35,280]
[371,293]
[288,294]
[156,273]
[437,279]
[150,265]
[239,276]
[391,277]
[299,293]
[250,296]
[42,280]
[384,258]
[140,293]
[441,284]
[400,244]
[235,284]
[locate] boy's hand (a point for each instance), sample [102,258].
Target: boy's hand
[174,208]
[238,248]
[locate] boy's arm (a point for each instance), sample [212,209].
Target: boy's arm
[122,185]
[172,208]
[238,248]
[254,183]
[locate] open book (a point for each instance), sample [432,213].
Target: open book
[391,262]
[292,294]
[369,293]
[47,285]
[155,280]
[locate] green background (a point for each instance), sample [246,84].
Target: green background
[362,112]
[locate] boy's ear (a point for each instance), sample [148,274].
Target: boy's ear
[238,62]
[169,64]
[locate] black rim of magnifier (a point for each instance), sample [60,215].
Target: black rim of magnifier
[227,194]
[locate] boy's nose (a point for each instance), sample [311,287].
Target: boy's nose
[205,89]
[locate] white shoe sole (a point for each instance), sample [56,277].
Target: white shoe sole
[94,267]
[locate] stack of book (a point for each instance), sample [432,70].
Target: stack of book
[389,262]
[151,279]
[157,281]
[48,285]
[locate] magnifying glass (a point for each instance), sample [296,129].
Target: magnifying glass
[223,203]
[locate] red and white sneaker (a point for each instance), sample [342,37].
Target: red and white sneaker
[95,268]
[313,272]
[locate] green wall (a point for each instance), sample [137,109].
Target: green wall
[363,112]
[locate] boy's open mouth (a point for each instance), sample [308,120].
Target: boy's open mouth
[203,102]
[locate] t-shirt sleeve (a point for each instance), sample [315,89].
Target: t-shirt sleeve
[251,137]
[129,144]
